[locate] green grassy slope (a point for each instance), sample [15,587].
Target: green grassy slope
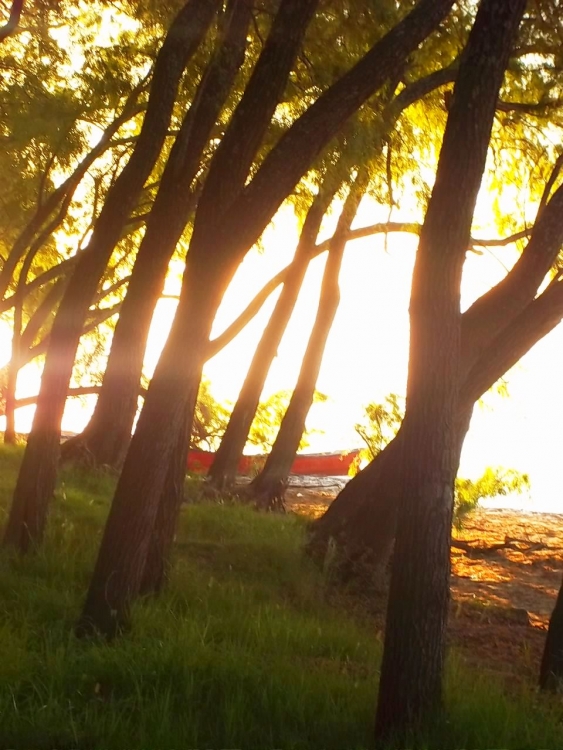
[244,650]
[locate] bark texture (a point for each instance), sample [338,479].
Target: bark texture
[106,438]
[410,691]
[37,476]
[118,573]
[361,520]
[159,555]
[551,670]
[171,397]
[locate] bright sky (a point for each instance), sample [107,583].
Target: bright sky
[366,355]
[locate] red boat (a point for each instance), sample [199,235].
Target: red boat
[319,464]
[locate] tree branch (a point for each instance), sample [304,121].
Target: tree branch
[77,391]
[13,21]
[540,317]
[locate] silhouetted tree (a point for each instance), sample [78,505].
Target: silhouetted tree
[410,689]
[231,216]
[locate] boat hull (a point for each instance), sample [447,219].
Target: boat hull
[317,464]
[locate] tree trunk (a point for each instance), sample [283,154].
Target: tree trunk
[159,555]
[361,520]
[11,384]
[410,690]
[170,401]
[269,486]
[551,670]
[11,25]
[224,468]
[10,408]
[171,397]
[37,476]
[121,561]
[106,438]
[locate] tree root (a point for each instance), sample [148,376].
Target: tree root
[519,545]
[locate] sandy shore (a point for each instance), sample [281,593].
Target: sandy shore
[503,587]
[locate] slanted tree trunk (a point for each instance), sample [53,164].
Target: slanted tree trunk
[231,216]
[106,438]
[11,25]
[171,398]
[497,330]
[14,366]
[269,486]
[10,397]
[551,669]
[410,690]
[362,518]
[37,476]
[223,471]
[158,563]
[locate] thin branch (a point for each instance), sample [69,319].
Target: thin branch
[15,13]
[76,392]
[551,182]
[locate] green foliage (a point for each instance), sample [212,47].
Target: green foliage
[269,417]
[243,650]
[381,423]
[210,419]
[494,482]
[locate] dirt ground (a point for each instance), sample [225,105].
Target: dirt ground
[502,598]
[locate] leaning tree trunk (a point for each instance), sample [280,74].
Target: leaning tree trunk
[121,565]
[269,486]
[551,670]
[362,519]
[38,472]
[10,393]
[106,438]
[223,471]
[410,689]
[497,330]
[159,555]
[229,220]
[171,398]
[14,366]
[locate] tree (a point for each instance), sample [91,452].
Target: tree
[32,340]
[351,150]
[106,438]
[36,480]
[380,424]
[362,518]
[269,416]
[269,486]
[231,216]
[12,23]
[410,690]
[210,419]
[551,668]
[223,470]
[494,482]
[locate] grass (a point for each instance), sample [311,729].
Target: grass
[245,649]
